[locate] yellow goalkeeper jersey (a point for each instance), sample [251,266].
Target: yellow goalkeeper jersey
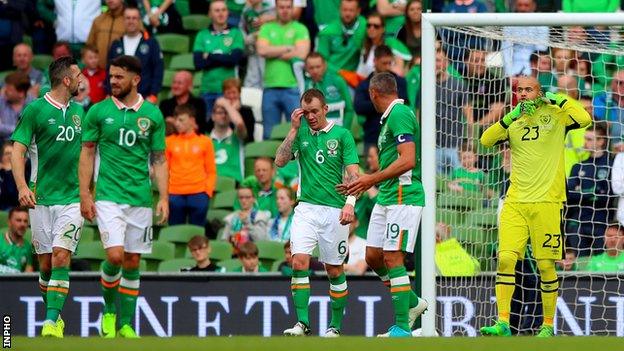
[537,144]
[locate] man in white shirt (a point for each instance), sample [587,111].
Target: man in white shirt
[516,55]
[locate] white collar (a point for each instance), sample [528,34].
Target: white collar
[55,103]
[327,128]
[120,105]
[227,135]
[390,107]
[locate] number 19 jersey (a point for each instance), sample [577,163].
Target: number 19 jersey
[125,137]
[52,133]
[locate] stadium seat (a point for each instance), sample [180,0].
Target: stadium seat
[252,97]
[269,252]
[164,94]
[173,43]
[225,184]
[484,218]
[220,250]
[465,201]
[42,62]
[175,265]
[197,79]
[183,7]
[449,216]
[3,75]
[195,23]
[182,62]
[230,265]
[161,251]
[4,219]
[216,214]
[261,149]
[275,266]
[92,251]
[180,236]
[168,78]
[280,131]
[88,234]
[224,200]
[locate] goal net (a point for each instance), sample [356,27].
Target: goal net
[474,84]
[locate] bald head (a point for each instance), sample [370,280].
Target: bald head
[568,85]
[22,57]
[182,83]
[528,88]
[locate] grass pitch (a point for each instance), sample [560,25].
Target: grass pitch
[243,343]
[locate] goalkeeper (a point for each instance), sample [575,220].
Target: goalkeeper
[536,130]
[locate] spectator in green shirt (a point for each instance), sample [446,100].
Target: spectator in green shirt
[467,178]
[262,184]
[15,250]
[612,260]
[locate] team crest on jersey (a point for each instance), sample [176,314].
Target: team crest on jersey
[144,49]
[227,41]
[143,123]
[332,147]
[602,173]
[545,119]
[76,120]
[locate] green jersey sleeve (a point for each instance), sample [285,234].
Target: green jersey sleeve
[25,126]
[403,122]
[265,29]
[198,45]
[239,40]
[158,135]
[90,130]
[301,33]
[349,152]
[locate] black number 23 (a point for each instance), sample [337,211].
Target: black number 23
[527,131]
[549,238]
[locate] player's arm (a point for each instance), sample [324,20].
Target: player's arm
[266,50]
[347,214]
[497,133]
[85,176]
[158,161]
[18,163]
[576,116]
[284,152]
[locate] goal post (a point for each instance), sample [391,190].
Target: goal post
[475,24]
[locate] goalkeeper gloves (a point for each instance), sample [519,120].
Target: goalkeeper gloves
[555,99]
[524,107]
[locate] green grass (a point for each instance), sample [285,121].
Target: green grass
[242,343]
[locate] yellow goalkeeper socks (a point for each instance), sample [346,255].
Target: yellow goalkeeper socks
[549,285]
[505,283]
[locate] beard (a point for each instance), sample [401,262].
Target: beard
[123,92]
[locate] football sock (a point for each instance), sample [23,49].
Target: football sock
[549,285]
[400,290]
[505,283]
[385,279]
[300,287]
[338,293]
[109,280]
[58,288]
[44,278]
[128,293]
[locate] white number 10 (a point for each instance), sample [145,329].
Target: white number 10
[127,137]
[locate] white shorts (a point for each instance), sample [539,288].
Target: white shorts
[394,227]
[319,225]
[125,225]
[55,226]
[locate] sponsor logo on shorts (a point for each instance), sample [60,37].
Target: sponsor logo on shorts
[104,236]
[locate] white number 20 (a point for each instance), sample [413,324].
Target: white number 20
[65,133]
[319,157]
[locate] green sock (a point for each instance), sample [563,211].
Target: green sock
[383,275]
[300,287]
[58,288]
[109,280]
[44,279]
[338,293]
[413,299]
[400,289]
[128,293]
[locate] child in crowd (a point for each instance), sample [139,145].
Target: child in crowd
[248,255]
[467,177]
[200,249]
[93,73]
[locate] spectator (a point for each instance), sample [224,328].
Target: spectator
[235,12]
[324,13]
[15,250]
[232,101]
[517,53]
[107,28]
[13,100]
[181,91]
[43,35]
[356,262]
[562,61]
[279,226]
[617,184]
[248,255]
[262,183]
[73,20]
[585,79]
[452,105]
[568,85]
[410,33]
[393,12]
[612,260]
[589,6]
[609,106]
[468,177]
[362,102]
[137,43]
[59,49]
[200,249]
[8,189]
[218,50]
[334,89]
[589,194]
[451,259]
[283,43]
[22,60]
[192,170]
[286,266]
[13,27]
[228,143]
[246,224]
[255,14]
[541,68]
[487,92]
[375,30]
[95,76]
[160,17]
[340,42]
[465,6]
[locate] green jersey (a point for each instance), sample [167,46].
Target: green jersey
[228,156]
[235,6]
[398,125]
[279,73]
[340,45]
[337,97]
[266,200]
[325,12]
[52,132]
[470,181]
[14,258]
[212,42]
[413,85]
[125,137]
[392,23]
[322,158]
[606,263]
[251,14]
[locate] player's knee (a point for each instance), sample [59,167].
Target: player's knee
[45,266]
[115,258]
[507,261]
[333,271]
[374,257]
[131,261]
[393,258]
[300,262]
[546,266]
[60,257]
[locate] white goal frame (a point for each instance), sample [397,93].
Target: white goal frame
[430,22]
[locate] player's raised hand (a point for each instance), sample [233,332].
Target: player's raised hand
[554,99]
[295,118]
[26,197]
[87,207]
[162,211]
[347,214]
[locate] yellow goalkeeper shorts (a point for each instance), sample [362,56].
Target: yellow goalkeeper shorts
[540,222]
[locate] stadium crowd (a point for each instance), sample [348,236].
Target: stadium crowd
[227,74]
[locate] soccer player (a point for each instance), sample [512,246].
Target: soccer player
[536,130]
[128,132]
[324,150]
[395,218]
[50,129]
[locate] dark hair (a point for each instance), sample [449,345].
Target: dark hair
[384,83]
[58,44]
[408,24]
[314,54]
[17,209]
[601,129]
[382,51]
[198,241]
[89,47]
[19,80]
[248,249]
[466,146]
[231,83]
[59,69]
[368,43]
[313,93]
[129,63]
[185,109]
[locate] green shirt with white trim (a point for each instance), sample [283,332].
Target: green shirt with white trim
[13,257]
[213,42]
[125,137]
[279,73]
[398,125]
[322,158]
[52,134]
[228,155]
[337,97]
[340,45]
